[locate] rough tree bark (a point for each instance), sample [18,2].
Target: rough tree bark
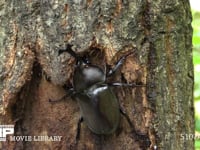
[32,32]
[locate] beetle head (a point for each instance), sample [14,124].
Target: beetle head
[85,74]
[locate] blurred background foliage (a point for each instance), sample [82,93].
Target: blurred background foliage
[195,5]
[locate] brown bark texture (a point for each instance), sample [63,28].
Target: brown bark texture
[158,33]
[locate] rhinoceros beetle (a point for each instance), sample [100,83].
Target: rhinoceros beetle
[99,106]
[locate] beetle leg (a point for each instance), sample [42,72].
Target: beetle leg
[114,69]
[117,65]
[79,128]
[127,118]
[126,84]
[69,93]
[129,121]
[136,133]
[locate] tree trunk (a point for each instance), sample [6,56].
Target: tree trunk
[31,72]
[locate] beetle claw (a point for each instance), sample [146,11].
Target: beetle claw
[138,85]
[51,101]
[79,129]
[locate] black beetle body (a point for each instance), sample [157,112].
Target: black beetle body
[98,104]
[99,108]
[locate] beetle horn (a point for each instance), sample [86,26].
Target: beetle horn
[69,50]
